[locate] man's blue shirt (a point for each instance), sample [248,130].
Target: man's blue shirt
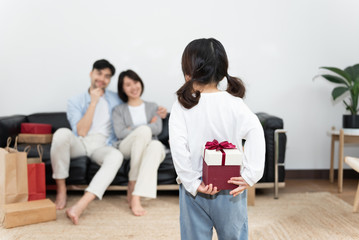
[77,107]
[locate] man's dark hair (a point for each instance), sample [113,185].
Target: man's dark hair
[102,64]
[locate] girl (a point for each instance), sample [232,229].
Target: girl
[137,124]
[202,113]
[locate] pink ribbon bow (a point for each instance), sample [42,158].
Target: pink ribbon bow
[215,145]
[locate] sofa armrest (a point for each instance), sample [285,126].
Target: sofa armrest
[10,126]
[270,124]
[164,135]
[269,121]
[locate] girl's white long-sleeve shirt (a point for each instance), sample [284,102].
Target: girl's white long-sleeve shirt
[219,116]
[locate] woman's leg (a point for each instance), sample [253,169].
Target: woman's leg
[146,184]
[133,147]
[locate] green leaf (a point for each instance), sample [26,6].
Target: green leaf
[338,91]
[334,79]
[339,72]
[353,71]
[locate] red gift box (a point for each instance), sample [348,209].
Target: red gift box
[221,161]
[36,128]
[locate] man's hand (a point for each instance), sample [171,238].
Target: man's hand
[154,119]
[162,112]
[209,189]
[240,182]
[95,95]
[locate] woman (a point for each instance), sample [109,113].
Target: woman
[136,124]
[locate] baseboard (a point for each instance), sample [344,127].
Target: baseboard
[319,174]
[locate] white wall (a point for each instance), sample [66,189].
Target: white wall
[47,49]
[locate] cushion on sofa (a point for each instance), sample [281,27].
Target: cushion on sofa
[77,175]
[56,119]
[10,127]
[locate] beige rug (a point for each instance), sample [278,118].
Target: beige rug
[292,216]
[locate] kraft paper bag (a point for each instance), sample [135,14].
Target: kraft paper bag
[13,175]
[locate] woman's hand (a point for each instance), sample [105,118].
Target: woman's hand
[209,189]
[154,119]
[240,182]
[162,112]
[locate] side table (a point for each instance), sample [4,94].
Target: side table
[343,136]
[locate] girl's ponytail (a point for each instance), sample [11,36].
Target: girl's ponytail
[186,95]
[235,86]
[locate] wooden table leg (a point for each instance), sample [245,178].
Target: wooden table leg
[341,159]
[331,172]
[251,195]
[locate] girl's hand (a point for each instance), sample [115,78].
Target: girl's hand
[240,182]
[209,189]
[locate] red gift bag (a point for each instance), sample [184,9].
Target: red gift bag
[36,176]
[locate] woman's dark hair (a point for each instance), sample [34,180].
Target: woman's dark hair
[102,64]
[205,61]
[130,74]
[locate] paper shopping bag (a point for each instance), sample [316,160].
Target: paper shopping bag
[36,176]
[13,175]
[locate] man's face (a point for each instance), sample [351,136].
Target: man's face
[100,78]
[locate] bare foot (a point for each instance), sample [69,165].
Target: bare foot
[74,214]
[136,206]
[75,211]
[61,198]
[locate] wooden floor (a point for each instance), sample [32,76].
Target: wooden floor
[316,185]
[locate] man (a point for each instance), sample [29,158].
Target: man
[92,135]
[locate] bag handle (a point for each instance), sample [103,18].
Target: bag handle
[8,143]
[27,149]
[8,148]
[15,144]
[40,150]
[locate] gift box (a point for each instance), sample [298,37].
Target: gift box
[34,138]
[221,161]
[25,213]
[36,128]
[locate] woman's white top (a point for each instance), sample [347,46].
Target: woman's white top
[138,115]
[219,116]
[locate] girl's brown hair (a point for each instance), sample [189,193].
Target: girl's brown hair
[205,61]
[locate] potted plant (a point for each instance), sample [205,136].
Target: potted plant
[348,81]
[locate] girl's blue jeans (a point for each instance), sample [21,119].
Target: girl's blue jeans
[199,214]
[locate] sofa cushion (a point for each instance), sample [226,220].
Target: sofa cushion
[78,171]
[166,172]
[121,177]
[56,119]
[9,127]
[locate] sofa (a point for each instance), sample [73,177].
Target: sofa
[82,169]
